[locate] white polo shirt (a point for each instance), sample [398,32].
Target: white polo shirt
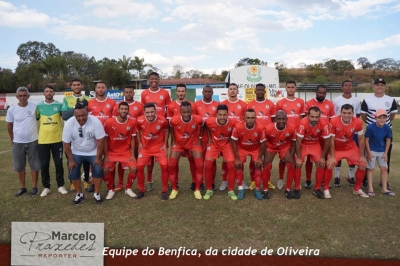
[24,122]
[92,131]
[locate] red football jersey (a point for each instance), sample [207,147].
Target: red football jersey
[206,110]
[326,107]
[119,135]
[265,110]
[186,133]
[152,133]
[135,110]
[293,108]
[236,109]
[344,133]
[279,139]
[311,135]
[174,109]
[160,97]
[220,134]
[248,139]
[101,109]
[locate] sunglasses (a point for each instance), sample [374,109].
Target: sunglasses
[80,132]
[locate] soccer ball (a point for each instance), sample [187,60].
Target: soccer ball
[83,177]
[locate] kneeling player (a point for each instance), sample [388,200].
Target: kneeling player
[248,138]
[120,147]
[185,137]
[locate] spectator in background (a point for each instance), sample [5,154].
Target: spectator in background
[22,129]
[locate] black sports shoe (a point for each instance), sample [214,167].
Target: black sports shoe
[351,181]
[78,199]
[337,182]
[21,192]
[90,189]
[192,186]
[170,187]
[140,195]
[288,194]
[365,183]
[202,188]
[322,185]
[164,196]
[98,199]
[307,185]
[318,193]
[266,194]
[34,192]
[296,194]
[213,187]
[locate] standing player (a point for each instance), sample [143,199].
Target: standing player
[174,109]
[343,146]
[152,136]
[186,138]
[67,111]
[120,147]
[327,111]
[161,99]
[220,130]
[50,131]
[236,108]
[311,130]
[281,138]
[206,108]
[135,110]
[338,102]
[248,138]
[265,111]
[295,111]
[379,100]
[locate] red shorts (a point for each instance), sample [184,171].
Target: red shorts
[187,151]
[125,162]
[227,152]
[314,151]
[352,155]
[144,157]
[243,153]
[281,152]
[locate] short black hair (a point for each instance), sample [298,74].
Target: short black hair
[76,79]
[223,107]
[181,85]
[186,104]
[123,103]
[347,107]
[291,82]
[321,86]
[347,80]
[154,74]
[149,105]
[261,85]
[313,108]
[49,86]
[237,87]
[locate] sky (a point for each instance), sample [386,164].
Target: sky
[209,36]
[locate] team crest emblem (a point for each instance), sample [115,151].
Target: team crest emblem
[193,126]
[128,128]
[326,106]
[49,120]
[208,148]
[239,107]
[255,134]
[229,129]
[55,109]
[135,108]
[107,105]
[213,108]
[352,130]
[158,127]
[387,104]
[140,155]
[287,135]
[318,130]
[161,97]
[267,106]
[298,104]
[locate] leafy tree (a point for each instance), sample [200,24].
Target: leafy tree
[177,72]
[192,74]
[364,63]
[113,75]
[35,52]
[139,65]
[29,74]
[386,64]
[250,61]
[7,80]
[125,63]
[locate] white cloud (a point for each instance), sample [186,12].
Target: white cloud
[21,17]
[100,34]
[117,8]
[189,26]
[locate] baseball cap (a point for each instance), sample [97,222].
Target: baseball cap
[380,81]
[380,112]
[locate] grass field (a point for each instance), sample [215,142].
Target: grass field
[344,226]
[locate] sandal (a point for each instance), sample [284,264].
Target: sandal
[371,193]
[389,193]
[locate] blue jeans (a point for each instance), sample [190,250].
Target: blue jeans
[75,174]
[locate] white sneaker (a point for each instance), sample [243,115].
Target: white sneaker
[280,184]
[130,193]
[110,194]
[327,194]
[45,192]
[62,190]
[245,186]
[223,186]
[360,193]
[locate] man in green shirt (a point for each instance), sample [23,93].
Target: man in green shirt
[67,110]
[48,113]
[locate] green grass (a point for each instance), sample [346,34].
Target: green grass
[345,226]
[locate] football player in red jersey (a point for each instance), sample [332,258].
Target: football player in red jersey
[135,110]
[206,107]
[295,109]
[281,138]
[220,130]
[101,106]
[327,112]
[186,138]
[237,108]
[153,136]
[161,99]
[343,146]
[311,130]
[120,147]
[248,138]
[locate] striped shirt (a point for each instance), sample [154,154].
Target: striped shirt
[373,103]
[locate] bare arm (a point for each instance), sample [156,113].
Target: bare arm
[10,127]
[364,117]
[68,152]
[238,163]
[299,160]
